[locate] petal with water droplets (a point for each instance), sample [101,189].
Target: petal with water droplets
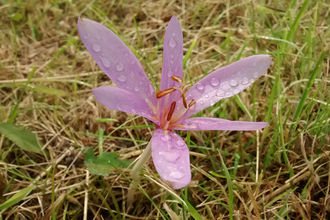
[122,100]
[170,155]
[203,123]
[172,58]
[115,58]
[227,81]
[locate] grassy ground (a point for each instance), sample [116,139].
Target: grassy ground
[46,77]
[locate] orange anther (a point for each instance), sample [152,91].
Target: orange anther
[170,113]
[165,92]
[176,78]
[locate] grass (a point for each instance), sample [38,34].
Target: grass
[46,77]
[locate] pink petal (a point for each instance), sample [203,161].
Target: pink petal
[226,82]
[172,58]
[115,58]
[170,155]
[219,124]
[122,100]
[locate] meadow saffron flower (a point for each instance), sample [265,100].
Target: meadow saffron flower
[171,107]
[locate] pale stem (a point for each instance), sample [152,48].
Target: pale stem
[144,158]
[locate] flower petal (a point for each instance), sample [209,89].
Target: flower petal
[226,82]
[115,58]
[203,123]
[170,155]
[122,100]
[172,59]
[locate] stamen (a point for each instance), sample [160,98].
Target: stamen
[191,103]
[170,113]
[176,78]
[165,92]
[184,100]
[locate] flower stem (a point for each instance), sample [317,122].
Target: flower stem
[145,156]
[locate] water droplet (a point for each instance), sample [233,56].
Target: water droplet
[220,93]
[212,102]
[121,78]
[206,96]
[177,174]
[96,47]
[227,93]
[132,61]
[254,64]
[200,86]
[180,143]
[97,36]
[201,102]
[172,56]
[133,111]
[132,74]
[105,62]
[171,62]
[172,43]
[233,82]
[214,82]
[245,80]
[255,75]
[151,89]
[173,34]
[119,66]
[251,80]
[85,37]
[163,139]
[136,89]
[169,73]
[170,156]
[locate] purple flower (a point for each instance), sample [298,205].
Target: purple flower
[171,107]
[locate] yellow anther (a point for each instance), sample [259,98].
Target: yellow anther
[191,103]
[165,92]
[184,100]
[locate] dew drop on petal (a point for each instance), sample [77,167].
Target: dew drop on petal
[228,93]
[105,62]
[206,96]
[233,82]
[173,34]
[169,73]
[96,47]
[255,75]
[132,61]
[200,86]
[251,80]
[214,82]
[136,89]
[177,174]
[97,36]
[119,66]
[121,78]
[172,56]
[170,156]
[180,143]
[151,89]
[212,102]
[201,102]
[220,93]
[132,74]
[254,64]
[245,80]
[172,43]
[163,139]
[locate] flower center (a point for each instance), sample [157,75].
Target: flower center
[169,118]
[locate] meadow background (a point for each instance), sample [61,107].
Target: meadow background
[46,77]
